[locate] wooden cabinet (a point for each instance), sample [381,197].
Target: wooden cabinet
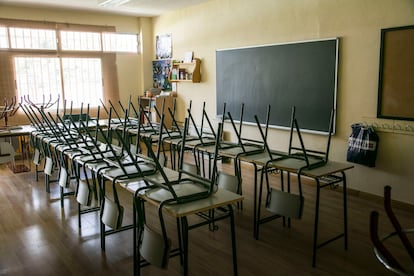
[186,72]
[160,103]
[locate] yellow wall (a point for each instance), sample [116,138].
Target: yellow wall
[222,24]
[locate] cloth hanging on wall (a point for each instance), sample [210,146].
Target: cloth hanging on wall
[363,145]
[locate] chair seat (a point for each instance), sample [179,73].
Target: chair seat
[130,170]
[182,189]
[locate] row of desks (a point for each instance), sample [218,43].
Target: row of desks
[321,175]
[220,199]
[328,174]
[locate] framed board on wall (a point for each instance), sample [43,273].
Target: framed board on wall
[160,72]
[300,74]
[396,74]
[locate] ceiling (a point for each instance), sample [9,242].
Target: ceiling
[133,7]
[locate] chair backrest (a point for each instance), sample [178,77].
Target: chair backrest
[264,136]
[85,135]
[141,168]
[65,134]
[256,146]
[154,249]
[31,117]
[285,204]
[228,182]
[199,130]
[312,158]
[319,158]
[190,168]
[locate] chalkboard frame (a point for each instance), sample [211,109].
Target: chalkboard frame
[396,84]
[243,58]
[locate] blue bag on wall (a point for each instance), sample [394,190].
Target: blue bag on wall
[362,145]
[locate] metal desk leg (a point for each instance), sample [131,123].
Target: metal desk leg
[180,241]
[345,211]
[315,233]
[255,201]
[315,229]
[233,240]
[135,241]
[257,220]
[184,229]
[102,225]
[237,172]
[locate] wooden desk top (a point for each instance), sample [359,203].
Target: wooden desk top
[329,168]
[135,183]
[220,198]
[229,150]
[260,158]
[294,165]
[16,131]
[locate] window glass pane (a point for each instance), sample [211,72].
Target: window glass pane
[113,42]
[38,78]
[80,41]
[4,41]
[83,80]
[40,39]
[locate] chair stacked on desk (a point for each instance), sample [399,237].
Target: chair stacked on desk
[101,157]
[188,188]
[302,161]
[50,140]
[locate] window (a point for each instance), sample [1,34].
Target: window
[38,77]
[43,59]
[83,80]
[39,39]
[3,38]
[41,76]
[80,41]
[113,42]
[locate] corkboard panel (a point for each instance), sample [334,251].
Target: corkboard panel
[396,82]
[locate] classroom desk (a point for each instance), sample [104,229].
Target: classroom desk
[220,199]
[329,174]
[23,130]
[19,131]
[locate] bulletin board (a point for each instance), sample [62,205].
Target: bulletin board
[396,75]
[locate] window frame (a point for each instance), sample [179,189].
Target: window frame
[108,59]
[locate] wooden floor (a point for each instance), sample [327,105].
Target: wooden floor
[38,237]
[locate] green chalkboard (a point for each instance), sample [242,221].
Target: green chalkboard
[300,74]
